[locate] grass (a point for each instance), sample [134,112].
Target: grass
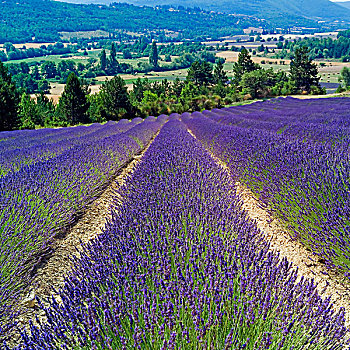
[54,58]
[76,57]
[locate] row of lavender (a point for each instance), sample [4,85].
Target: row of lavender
[40,200]
[317,120]
[28,147]
[179,266]
[302,172]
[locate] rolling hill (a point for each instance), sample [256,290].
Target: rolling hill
[269,9]
[294,12]
[43,20]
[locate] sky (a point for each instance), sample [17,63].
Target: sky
[96,1]
[99,1]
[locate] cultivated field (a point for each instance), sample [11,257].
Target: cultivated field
[226,229]
[329,73]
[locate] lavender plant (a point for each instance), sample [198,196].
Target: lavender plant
[300,171]
[180,266]
[42,199]
[22,151]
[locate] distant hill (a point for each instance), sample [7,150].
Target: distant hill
[278,12]
[345,4]
[43,20]
[269,9]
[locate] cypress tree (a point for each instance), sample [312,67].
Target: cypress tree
[103,60]
[113,67]
[153,56]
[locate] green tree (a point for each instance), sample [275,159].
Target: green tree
[73,103]
[220,75]
[28,112]
[127,54]
[103,60]
[113,53]
[3,56]
[257,83]
[66,67]
[303,71]
[177,87]
[113,64]
[188,92]
[44,86]
[153,55]
[200,73]
[25,67]
[46,109]
[150,104]
[208,56]
[26,82]
[9,100]
[115,98]
[49,69]
[97,114]
[35,73]
[139,87]
[345,77]
[243,65]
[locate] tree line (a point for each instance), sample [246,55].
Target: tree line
[17,23]
[319,47]
[206,86]
[36,77]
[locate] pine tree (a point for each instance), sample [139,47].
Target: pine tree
[9,101]
[139,87]
[220,76]
[303,71]
[73,103]
[46,108]
[153,56]
[29,112]
[200,73]
[244,65]
[115,98]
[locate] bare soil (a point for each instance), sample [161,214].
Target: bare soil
[329,284]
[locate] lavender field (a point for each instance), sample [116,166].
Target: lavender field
[180,264]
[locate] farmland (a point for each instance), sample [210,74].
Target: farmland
[329,70]
[221,229]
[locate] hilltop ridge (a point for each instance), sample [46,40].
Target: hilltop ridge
[278,12]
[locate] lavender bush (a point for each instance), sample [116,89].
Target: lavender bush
[294,155]
[179,266]
[40,200]
[23,150]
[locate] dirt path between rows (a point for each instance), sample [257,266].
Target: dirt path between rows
[329,284]
[53,272]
